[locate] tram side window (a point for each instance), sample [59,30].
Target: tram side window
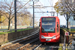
[39,24]
[57,27]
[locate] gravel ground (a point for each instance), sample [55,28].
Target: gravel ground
[49,46]
[32,46]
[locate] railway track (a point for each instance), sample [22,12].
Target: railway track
[15,46]
[29,46]
[48,46]
[32,43]
[38,46]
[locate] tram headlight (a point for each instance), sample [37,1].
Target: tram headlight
[54,37]
[42,36]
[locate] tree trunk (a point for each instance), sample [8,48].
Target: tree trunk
[9,24]
[9,19]
[31,22]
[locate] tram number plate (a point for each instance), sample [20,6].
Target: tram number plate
[48,39]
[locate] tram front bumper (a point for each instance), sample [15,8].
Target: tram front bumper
[50,39]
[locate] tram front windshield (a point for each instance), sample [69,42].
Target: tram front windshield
[48,24]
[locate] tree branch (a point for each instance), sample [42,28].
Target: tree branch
[23,5]
[5,15]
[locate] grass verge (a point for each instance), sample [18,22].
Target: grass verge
[14,31]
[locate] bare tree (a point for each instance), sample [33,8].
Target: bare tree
[64,8]
[8,7]
[26,18]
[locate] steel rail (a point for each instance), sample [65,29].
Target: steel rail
[37,47]
[27,44]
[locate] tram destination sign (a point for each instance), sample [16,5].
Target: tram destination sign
[48,19]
